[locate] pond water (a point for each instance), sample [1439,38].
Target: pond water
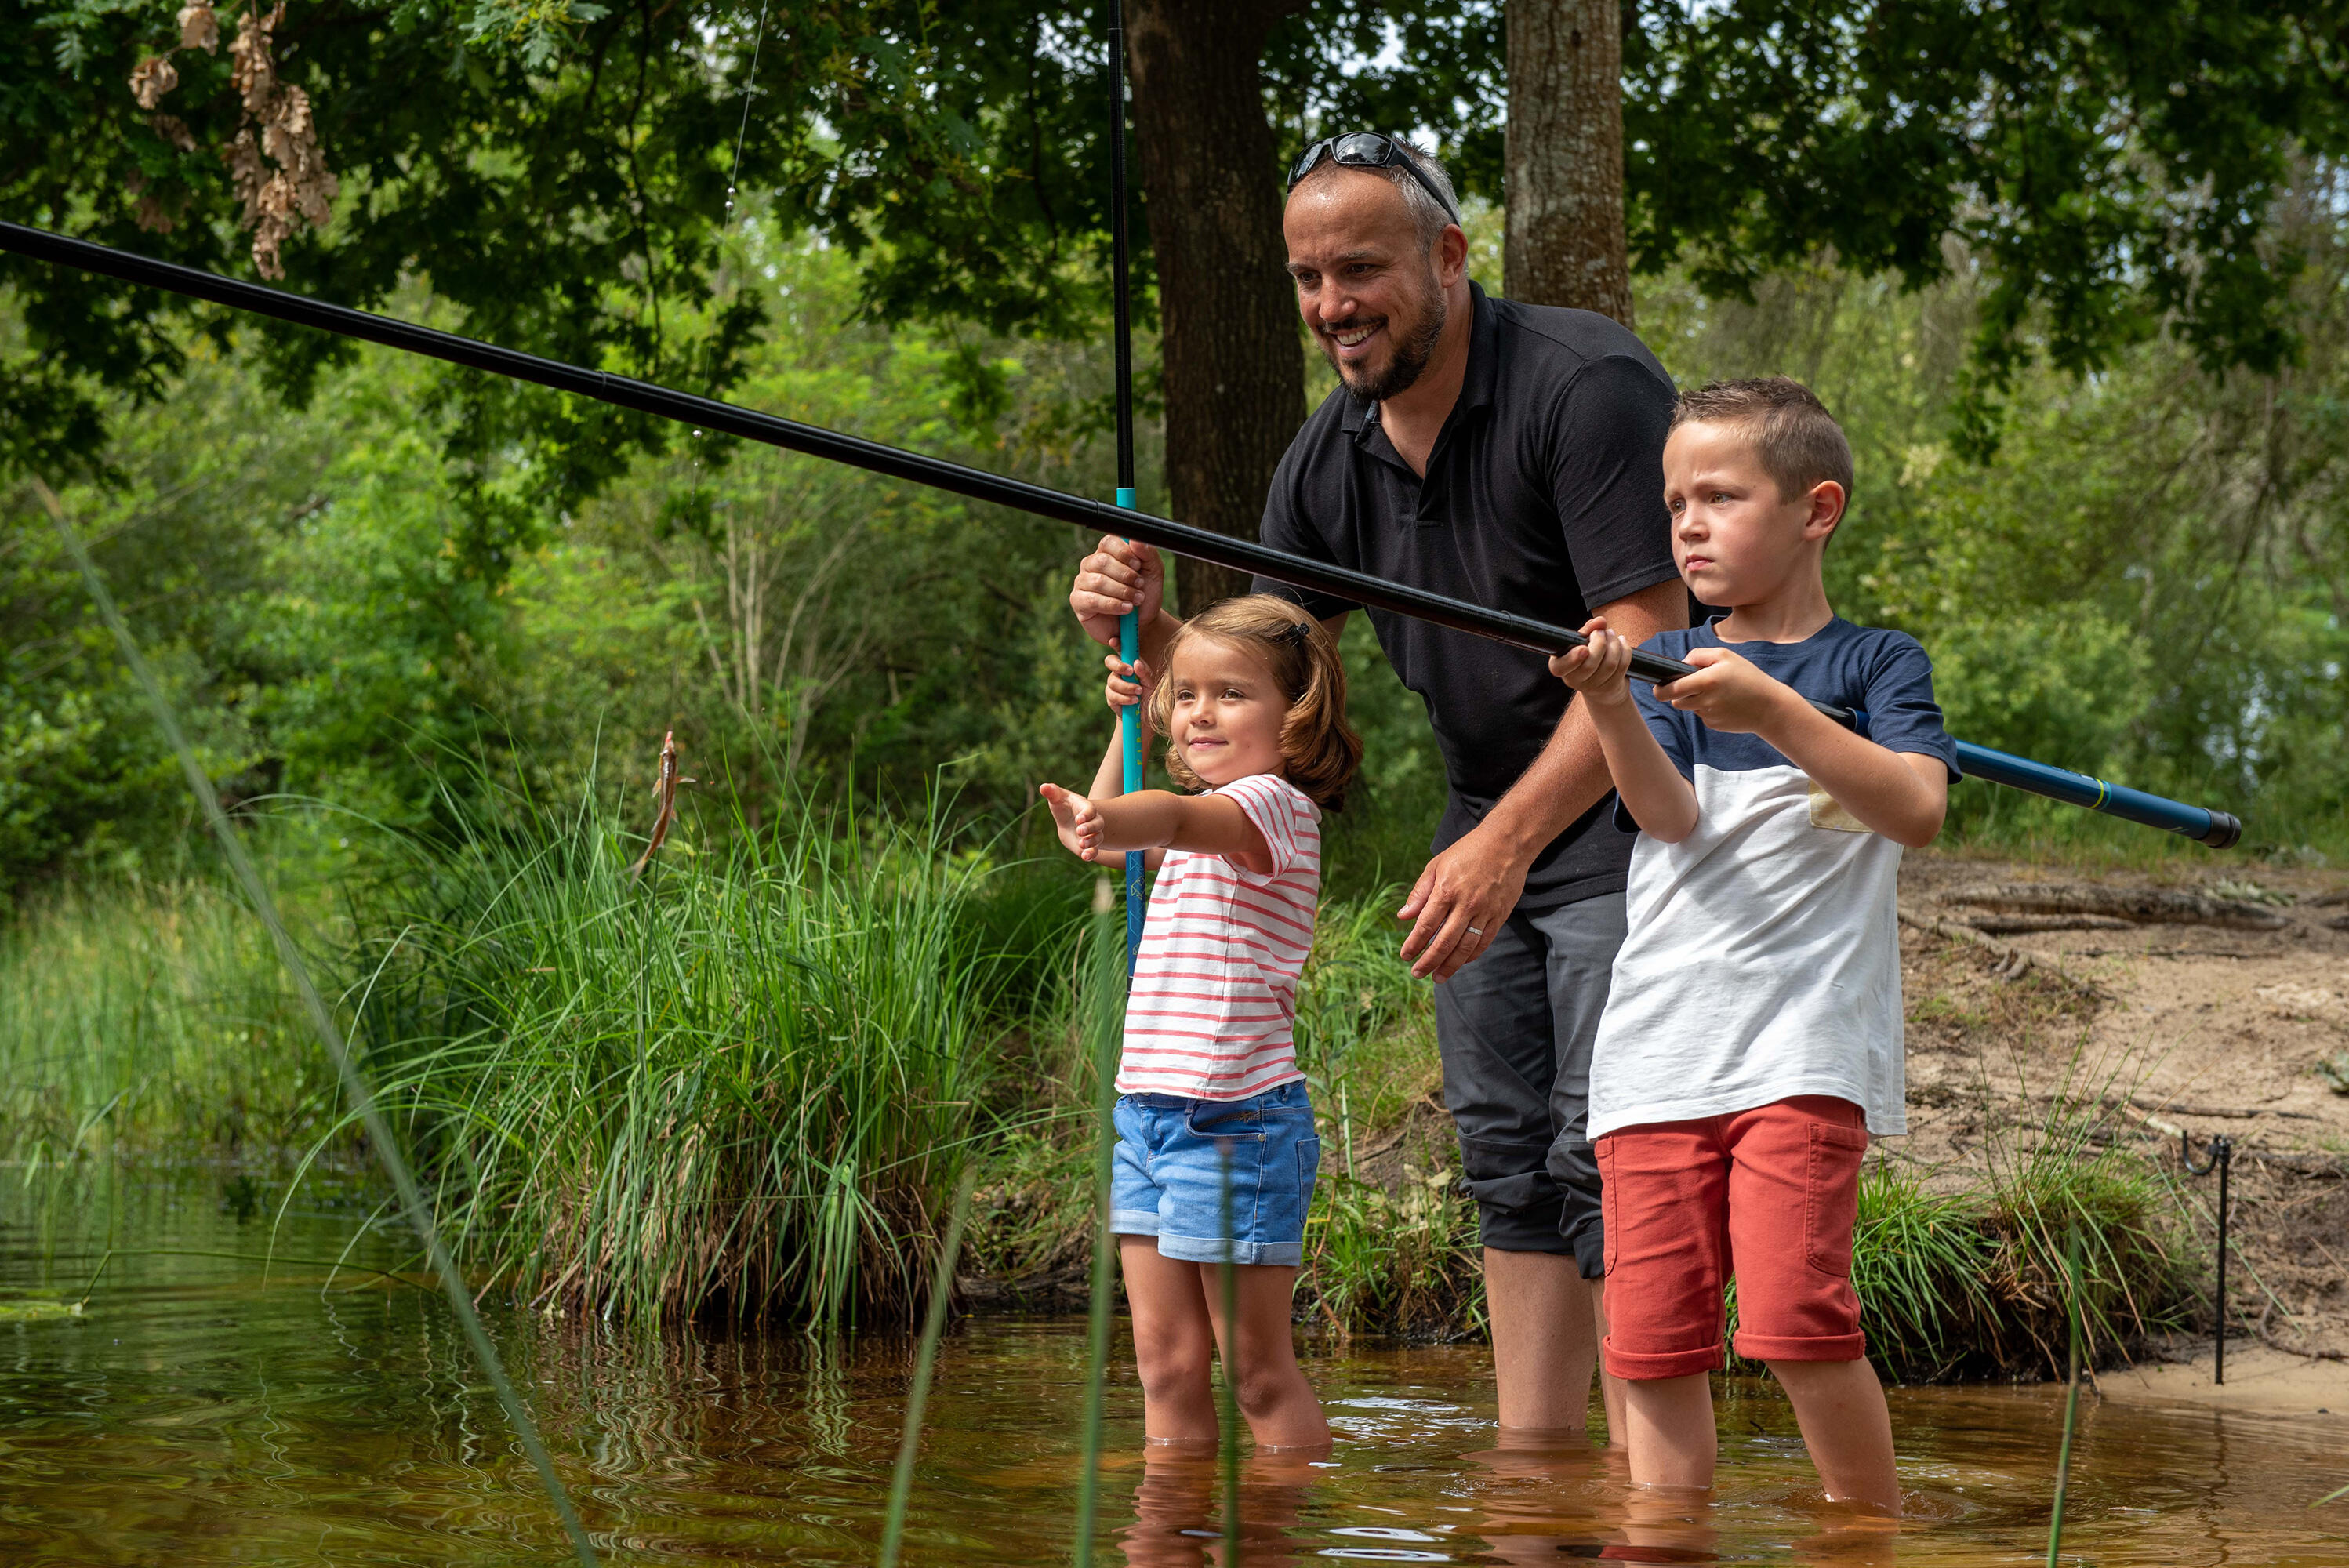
[208,1409]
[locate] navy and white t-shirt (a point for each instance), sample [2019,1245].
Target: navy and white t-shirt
[1763,959]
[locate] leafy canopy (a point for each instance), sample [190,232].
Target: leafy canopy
[560,172]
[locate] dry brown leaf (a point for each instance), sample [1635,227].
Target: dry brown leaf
[173,130]
[274,164]
[198,28]
[153,79]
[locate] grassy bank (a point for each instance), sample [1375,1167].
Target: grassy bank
[744,1084]
[152,1018]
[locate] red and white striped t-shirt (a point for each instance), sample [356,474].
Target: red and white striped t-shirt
[1215,985]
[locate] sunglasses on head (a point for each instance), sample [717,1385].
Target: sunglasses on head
[1369,150]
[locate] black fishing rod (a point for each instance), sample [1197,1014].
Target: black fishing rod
[1129,626]
[2203,824]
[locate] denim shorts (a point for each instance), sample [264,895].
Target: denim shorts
[1171,1174]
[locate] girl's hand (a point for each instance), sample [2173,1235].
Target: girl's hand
[1076,819]
[1127,683]
[1600,669]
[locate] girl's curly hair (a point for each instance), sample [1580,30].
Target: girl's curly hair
[1319,750]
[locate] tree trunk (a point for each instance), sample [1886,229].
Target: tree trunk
[1565,157]
[1235,371]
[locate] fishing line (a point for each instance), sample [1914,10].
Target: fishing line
[355,1085]
[1128,724]
[733,182]
[1108,1016]
[926,1358]
[2072,1396]
[749,87]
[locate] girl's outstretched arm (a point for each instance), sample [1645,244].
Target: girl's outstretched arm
[1154,819]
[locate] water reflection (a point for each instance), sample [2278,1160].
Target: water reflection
[196,1415]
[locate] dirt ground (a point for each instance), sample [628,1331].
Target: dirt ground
[2210,1005]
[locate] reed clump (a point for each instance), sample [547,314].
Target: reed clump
[744,1083]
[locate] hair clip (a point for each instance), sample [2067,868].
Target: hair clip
[1296,635]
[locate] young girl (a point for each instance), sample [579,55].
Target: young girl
[1253,710]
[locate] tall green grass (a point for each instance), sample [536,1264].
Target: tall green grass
[745,1082]
[152,1019]
[749,1082]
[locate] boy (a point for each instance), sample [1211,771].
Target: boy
[1752,1040]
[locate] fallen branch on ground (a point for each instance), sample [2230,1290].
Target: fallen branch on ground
[2013,961]
[2135,905]
[2272,1342]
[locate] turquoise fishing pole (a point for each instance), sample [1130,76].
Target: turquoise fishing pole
[1129,626]
[1107,1007]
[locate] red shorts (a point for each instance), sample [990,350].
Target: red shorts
[1767,1195]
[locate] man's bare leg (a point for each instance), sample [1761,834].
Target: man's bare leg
[1544,1322]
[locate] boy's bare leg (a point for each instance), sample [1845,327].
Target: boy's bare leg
[1669,1428]
[1545,1339]
[1846,1425]
[1610,1387]
[1174,1342]
[1271,1389]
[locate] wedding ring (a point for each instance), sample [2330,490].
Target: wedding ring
[1475,931]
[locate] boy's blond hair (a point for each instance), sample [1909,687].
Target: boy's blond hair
[1320,751]
[1797,440]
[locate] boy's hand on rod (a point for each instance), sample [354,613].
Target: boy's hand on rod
[1075,819]
[1731,695]
[1599,670]
[1127,683]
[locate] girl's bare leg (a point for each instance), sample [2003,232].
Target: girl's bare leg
[1271,1388]
[1174,1342]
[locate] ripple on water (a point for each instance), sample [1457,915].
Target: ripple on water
[195,1416]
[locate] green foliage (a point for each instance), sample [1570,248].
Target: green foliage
[2144,584]
[2111,172]
[152,1019]
[560,172]
[743,1081]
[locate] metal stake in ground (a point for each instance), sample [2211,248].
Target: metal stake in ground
[2219,1156]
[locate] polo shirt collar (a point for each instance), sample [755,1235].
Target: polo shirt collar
[1477,382]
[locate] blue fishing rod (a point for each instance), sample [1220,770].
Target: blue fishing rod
[2203,824]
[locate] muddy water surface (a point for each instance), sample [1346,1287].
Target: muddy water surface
[206,1409]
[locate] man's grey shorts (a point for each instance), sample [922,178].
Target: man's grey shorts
[1515,1027]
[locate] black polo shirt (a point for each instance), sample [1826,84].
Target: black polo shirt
[1544,496]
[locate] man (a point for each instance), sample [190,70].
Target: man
[1512,456]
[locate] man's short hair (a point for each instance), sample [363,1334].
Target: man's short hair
[1427,214]
[1797,440]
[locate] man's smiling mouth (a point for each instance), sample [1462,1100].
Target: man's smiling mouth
[1352,336]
